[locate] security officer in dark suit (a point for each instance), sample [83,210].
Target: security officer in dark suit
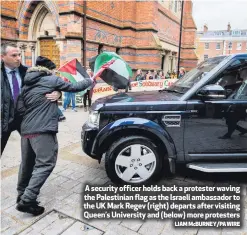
[12,75]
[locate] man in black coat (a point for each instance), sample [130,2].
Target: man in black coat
[12,75]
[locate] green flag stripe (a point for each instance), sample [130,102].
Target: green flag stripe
[69,76]
[73,80]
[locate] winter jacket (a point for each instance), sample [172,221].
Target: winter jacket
[7,102]
[139,77]
[40,114]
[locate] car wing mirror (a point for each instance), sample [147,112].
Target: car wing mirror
[212,92]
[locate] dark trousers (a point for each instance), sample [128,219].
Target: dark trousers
[234,126]
[87,97]
[39,156]
[14,126]
[232,120]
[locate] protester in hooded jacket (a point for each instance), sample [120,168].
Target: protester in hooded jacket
[38,130]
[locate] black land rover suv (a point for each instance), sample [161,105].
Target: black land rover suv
[199,121]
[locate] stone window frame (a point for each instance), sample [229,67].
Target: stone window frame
[206,45]
[229,45]
[239,46]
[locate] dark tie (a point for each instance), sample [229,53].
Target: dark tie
[16,89]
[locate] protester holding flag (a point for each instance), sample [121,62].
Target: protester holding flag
[39,128]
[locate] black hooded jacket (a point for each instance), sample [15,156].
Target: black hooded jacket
[40,114]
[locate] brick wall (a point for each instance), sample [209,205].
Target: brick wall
[9,8]
[130,25]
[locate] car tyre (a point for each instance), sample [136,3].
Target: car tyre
[127,148]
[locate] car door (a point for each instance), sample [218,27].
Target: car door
[215,129]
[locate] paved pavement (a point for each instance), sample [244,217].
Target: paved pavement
[61,194]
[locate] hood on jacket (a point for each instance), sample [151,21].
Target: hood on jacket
[34,74]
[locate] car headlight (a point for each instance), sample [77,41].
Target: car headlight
[94,118]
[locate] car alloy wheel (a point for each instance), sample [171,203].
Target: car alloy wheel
[133,160]
[135,163]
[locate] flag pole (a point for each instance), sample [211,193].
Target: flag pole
[84,32]
[180,37]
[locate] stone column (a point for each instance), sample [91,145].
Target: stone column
[166,62]
[23,48]
[32,47]
[170,63]
[174,61]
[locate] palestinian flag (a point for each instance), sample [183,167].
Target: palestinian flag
[74,72]
[111,68]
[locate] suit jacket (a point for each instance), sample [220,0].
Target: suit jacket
[8,113]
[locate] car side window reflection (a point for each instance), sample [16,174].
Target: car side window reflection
[232,78]
[242,92]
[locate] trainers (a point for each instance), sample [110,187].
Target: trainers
[242,133]
[30,207]
[18,199]
[74,110]
[85,109]
[62,118]
[224,137]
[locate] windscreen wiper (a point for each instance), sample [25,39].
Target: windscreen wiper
[171,90]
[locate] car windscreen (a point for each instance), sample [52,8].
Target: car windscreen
[196,74]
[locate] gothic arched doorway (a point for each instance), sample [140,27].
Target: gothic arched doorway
[43,30]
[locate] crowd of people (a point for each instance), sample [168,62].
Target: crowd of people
[154,74]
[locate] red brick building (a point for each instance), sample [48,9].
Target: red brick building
[145,34]
[211,43]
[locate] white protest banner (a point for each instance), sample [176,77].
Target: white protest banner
[103,89]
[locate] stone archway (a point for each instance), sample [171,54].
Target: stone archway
[42,29]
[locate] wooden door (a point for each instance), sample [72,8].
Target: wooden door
[49,49]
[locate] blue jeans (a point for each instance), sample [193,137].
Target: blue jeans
[69,96]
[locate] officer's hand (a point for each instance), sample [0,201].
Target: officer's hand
[54,96]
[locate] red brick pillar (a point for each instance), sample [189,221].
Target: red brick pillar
[188,56]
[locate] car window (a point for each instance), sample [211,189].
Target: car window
[196,74]
[232,77]
[242,92]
